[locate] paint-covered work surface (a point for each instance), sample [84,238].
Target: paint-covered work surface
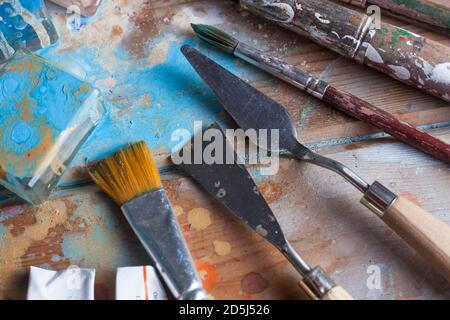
[130,50]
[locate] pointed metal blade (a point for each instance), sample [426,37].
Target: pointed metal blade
[250,108]
[231,184]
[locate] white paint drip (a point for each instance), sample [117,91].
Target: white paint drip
[321,18]
[400,72]
[373,55]
[336,34]
[441,73]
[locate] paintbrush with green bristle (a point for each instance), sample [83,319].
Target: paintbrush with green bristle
[343,101]
[132,179]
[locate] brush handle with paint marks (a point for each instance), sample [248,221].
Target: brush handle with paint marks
[410,58]
[431,14]
[385,121]
[345,102]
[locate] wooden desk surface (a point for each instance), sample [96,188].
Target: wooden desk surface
[130,50]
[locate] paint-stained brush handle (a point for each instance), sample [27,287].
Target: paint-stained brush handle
[410,58]
[429,236]
[431,14]
[385,121]
[403,55]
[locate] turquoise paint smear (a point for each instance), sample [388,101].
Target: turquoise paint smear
[2,231]
[177,96]
[55,258]
[38,103]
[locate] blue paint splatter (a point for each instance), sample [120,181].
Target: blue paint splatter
[56,258]
[2,231]
[178,97]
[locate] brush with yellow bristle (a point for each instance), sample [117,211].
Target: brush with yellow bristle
[130,177]
[127,174]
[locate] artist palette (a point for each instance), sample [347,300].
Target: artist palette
[24,24]
[45,116]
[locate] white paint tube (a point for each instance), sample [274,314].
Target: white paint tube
[71,284]
[139,283]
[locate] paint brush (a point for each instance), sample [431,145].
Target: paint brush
[252,110]
[431,14]
[131,178]
[343,101]
[230,183]
[413,59]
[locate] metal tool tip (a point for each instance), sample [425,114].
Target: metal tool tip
[186,49]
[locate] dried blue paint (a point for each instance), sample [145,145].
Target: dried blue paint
[24,24]
[176,97]
[2,231]
[55,258]
[46,113]
[100,243]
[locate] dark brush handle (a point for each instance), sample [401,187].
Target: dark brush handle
[410,58]
[398,53]
[433,15]
[385,121]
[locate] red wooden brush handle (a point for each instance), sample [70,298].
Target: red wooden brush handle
[385,121]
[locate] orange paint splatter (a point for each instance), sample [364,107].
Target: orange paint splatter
[208,274]
[271,191]
[411,197]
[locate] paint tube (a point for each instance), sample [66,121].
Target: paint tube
[139,283]
[71,284]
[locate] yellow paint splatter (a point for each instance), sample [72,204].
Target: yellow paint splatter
[146,100]
[178,210]
[222,248]
[199,218]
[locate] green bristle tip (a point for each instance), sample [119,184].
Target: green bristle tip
[216,37]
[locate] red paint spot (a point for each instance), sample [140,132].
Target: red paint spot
[253,283]
[208,274]
[186,228]
[402,38]
[388,232]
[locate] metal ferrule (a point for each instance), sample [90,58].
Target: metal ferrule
[282,70]
[378,198]
[150,216]
[317,283]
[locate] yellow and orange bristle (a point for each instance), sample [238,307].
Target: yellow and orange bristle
[127,174]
